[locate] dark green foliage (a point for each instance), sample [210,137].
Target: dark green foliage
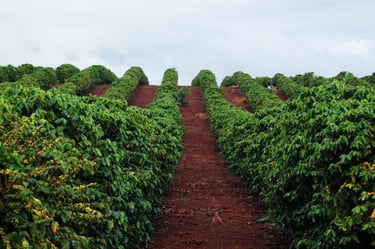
[24,69]
[69,87]
[370,79]
[312,160]
[169,91]
[265,81]
[138,72]
[309,79]
[204,79]
[65,71]
[349,78]
[83,172]
[40,77]
[124,87]
[87,78]
[8,73]
[287,86]
[227,81]
[256,94]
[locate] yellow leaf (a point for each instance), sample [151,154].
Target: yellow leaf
[373,214]
[55,227]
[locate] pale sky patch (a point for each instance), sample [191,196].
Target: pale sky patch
[260,37]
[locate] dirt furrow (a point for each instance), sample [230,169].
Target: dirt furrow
[280,94]
[234,95]
[206,206]
[144,95]
[98,90]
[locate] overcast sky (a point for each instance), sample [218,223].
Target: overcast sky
[259,37]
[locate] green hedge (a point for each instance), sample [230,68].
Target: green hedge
[125,87]
[349,78]
[309,79]
[40,77]
[370,79]
[83,172]
[311,160]
[8,73]
[287,86]
[82,81]
[256,94]
[65,71]
[23,69]
[227,81]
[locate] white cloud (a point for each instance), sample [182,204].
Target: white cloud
[342,48]
[261,37]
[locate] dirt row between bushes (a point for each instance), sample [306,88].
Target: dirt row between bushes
[206,206]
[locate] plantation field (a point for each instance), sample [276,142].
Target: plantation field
[83,171]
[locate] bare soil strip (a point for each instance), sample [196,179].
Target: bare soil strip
[206,206]
[234,95]
[280,94]
[144,95]
[98,90]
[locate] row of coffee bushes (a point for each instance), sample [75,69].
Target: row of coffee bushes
[164,112]
[287,86]
[310,79]
[124,87]
[256,94]
[65,71]
[72,79]
[11,73]
[311,160]
[59,75]
[82,172]
[82,81]
[41,77]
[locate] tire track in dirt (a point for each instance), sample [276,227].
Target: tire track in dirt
[206,206]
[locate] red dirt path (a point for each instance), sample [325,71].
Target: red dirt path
[206,206]
[143,95]
[98,90]
[234,95]
[280,94]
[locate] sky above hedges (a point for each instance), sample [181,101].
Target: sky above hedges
[259,37]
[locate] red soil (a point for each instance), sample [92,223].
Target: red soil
[280,94]
[98,90]
[143,95]
[206,206]
[234,95]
